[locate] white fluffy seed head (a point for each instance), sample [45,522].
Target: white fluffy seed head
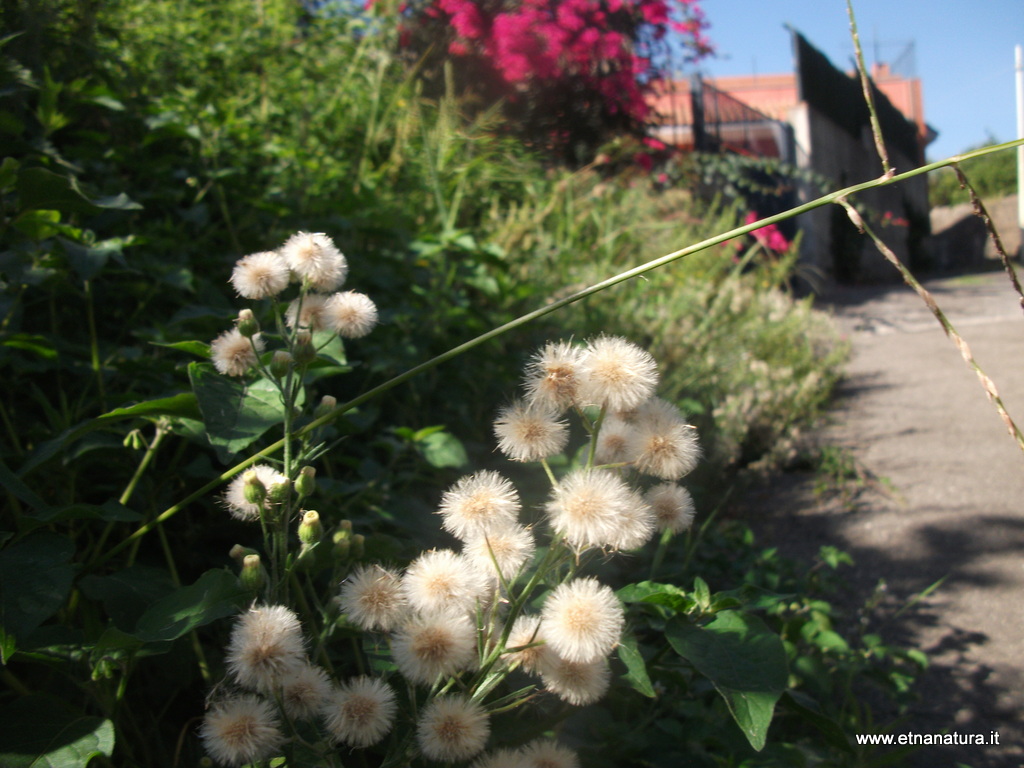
[528,432]
[349,314]
[503,550]
[673,507]
[478,503]
[307,312]
[578,683]
[304,692]
[428,647]
[372,598]
[582,620]
[526,646]
[260,275]
[616,374]
[442,581]
[614,441]
[234,497]
[553,376]
[453,728]
[548,753]
[241,730]
[589,506]
[360,712]
[266,647]
[233,354]
[500,758]
[662,443]
[313,258]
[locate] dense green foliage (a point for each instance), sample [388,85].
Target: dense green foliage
[992,175]
[151,144]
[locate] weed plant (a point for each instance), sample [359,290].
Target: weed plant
[148,156]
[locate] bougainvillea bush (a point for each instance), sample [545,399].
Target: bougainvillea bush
[571,74]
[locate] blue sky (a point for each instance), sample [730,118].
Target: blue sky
[962,51]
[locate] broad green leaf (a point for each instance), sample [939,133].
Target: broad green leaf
[214,595]
[442,449]
[235,413]
[636,669]
[8,173]
[16,487]
[88,260]
[744,660]
[35,579]
[668,595]
[38,732]
[40,188]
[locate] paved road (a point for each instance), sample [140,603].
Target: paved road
[911,412]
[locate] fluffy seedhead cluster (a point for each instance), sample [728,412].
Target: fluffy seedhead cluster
[454,624]
[311,260]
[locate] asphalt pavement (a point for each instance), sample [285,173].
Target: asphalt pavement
[940,496]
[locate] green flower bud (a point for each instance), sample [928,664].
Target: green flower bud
[311,530]
[304,350]
[358,546]
[325,406]
[278,492]
[248,325]
[280,363]
[253,575]
[305,483]
[254,489]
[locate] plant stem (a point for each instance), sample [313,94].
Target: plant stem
[94,349]
[869,96]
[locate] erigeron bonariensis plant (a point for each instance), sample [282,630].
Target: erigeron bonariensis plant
[454,624]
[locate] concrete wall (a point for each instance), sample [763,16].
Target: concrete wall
[831,246]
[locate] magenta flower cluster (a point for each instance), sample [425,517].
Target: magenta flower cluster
[608,44]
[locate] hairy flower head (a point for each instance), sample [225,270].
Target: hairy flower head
[233,354]
[265,648]
[530,432]
[260,275]
[307,312]
[314,259]
[350,314]
[241,730]
[360,712]
[553,376]
[590,506]
[662,443]
[503,549]
[304,692]
[453,728]
[616,374]
[576,682]
[478,503]
[438,644]
[372,597]
[582,620]
[441,580]
[548,753]
[672,505]
[235,496]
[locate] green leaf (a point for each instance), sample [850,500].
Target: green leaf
[442,449]
[701,594]
[651,592]
[34,343]
[636,669]
[8,173]
[744,660]
[37,732]
[88,260]
[43,189]
[35,580]
[235,413]
[215,594]
[183,405]
[16,487]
